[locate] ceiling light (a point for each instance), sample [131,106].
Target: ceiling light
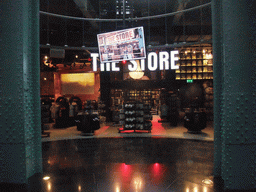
[138,73]
[207,181]
[46,178]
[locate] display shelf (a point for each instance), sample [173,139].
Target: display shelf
[136,111]
[195,61]
[116,105]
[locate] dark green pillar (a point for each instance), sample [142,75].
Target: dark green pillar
[237,153]
[217,81]
[20,117]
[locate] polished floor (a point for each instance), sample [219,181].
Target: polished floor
[169,159]
[129,164]
[110,130]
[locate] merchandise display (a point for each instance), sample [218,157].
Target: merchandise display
[195,120]
[46,118]
[62,118]
[87,120]
[135,114]
[196,57]
[208,89]
[168,108]
[75,105]
[102,111]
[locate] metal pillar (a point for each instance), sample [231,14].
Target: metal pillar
[217,81]
[238,133]
[20,116]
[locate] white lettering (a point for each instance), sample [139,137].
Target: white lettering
[108,66]
[173,59]
[142,64]
[114,67]
[163,60]
[102,67]
[94,61]
[152,62]
[152,66]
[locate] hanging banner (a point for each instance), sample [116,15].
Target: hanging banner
[127,44]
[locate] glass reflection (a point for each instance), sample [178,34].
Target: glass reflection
[137,182]
[117,188]
[49,186]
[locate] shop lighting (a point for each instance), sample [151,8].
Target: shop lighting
[207,181]
[138,73]
[76,56]
[46,178]
[49,187]
[117,187]
[46,57]
[45,78]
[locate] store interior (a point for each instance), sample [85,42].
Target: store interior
[77,101]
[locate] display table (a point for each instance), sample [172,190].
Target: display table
[195,121]
[87,123]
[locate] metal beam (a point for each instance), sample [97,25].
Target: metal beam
[83,6]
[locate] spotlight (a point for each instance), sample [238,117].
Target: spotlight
[46,178]
[207,181]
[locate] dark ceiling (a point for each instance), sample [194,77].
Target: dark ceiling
[166,30]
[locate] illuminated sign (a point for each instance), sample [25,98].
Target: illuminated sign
[163,61]
[127,44]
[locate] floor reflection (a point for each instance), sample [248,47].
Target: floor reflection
[127,164]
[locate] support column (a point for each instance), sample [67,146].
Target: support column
[217,82]
[238,133]
[20,116]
